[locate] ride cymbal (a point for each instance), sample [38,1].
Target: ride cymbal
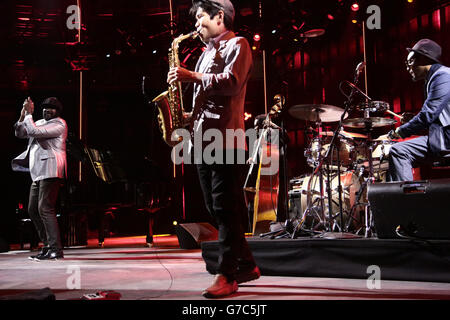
[316,112]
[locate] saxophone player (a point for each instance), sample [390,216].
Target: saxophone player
[220,80]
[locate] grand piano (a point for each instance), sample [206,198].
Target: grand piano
[115,196]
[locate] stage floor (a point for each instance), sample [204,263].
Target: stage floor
[166,272]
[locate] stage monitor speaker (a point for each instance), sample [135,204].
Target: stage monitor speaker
[4,246]
[191,235]
[415,209]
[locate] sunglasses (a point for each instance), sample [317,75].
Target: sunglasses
[410,62]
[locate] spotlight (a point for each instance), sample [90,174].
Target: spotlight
[355,6]
[354,21]
[257,37]
[330,17]
[410,1]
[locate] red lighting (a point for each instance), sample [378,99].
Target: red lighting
[355,7]
[330,17]
[24,19]
[256,37]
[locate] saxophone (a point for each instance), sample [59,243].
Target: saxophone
[170,102]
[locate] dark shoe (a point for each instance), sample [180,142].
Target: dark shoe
[42,253]
[248,275]
[220,287]
[51,254]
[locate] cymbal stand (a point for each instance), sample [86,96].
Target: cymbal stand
[370,179]
[311,208]
[333,144]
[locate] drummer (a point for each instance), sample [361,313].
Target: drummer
[423,63]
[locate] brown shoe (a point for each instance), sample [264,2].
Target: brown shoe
[220,287]
[248,276]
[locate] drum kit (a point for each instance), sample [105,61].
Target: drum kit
[333,198]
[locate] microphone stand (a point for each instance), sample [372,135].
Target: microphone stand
[328,154]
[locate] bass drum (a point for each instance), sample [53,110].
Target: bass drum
[352,208]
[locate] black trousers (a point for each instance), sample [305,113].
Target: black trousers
[42,210]
[222,190]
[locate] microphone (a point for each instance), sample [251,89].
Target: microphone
[359,68]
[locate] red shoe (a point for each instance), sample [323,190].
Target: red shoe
[248,276]
[220,287]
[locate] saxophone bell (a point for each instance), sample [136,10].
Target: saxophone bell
[170,102]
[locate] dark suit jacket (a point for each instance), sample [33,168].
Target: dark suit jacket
[435,112]
[218,102]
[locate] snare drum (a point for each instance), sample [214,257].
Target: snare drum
[374,106]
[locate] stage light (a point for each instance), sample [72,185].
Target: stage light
[247,116]
[354,21]
[108,55]
[330,17]
[355,6]
[274,31]
[154,51]
[410,1]
[175,223]
[254,48]
[256,37]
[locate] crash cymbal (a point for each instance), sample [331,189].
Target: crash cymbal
[373,122]
[316,112]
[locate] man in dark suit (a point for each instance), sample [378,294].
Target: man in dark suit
[45,159]
[423,63]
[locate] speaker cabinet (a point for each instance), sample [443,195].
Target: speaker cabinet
[420,208]
[4,246]
[191,235]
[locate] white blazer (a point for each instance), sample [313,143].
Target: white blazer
[45,156]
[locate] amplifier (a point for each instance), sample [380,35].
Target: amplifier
[417,209]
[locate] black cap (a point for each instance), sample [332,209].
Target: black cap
[52,102]
[225,5]
[428,48]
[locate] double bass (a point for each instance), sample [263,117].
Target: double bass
[263,194]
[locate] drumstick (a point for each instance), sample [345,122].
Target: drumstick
[394,114]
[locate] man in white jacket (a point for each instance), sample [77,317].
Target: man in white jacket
[45,159]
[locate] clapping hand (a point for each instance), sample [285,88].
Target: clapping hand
[28,106]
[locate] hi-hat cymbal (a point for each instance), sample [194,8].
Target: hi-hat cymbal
[316,112]
[373,122]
